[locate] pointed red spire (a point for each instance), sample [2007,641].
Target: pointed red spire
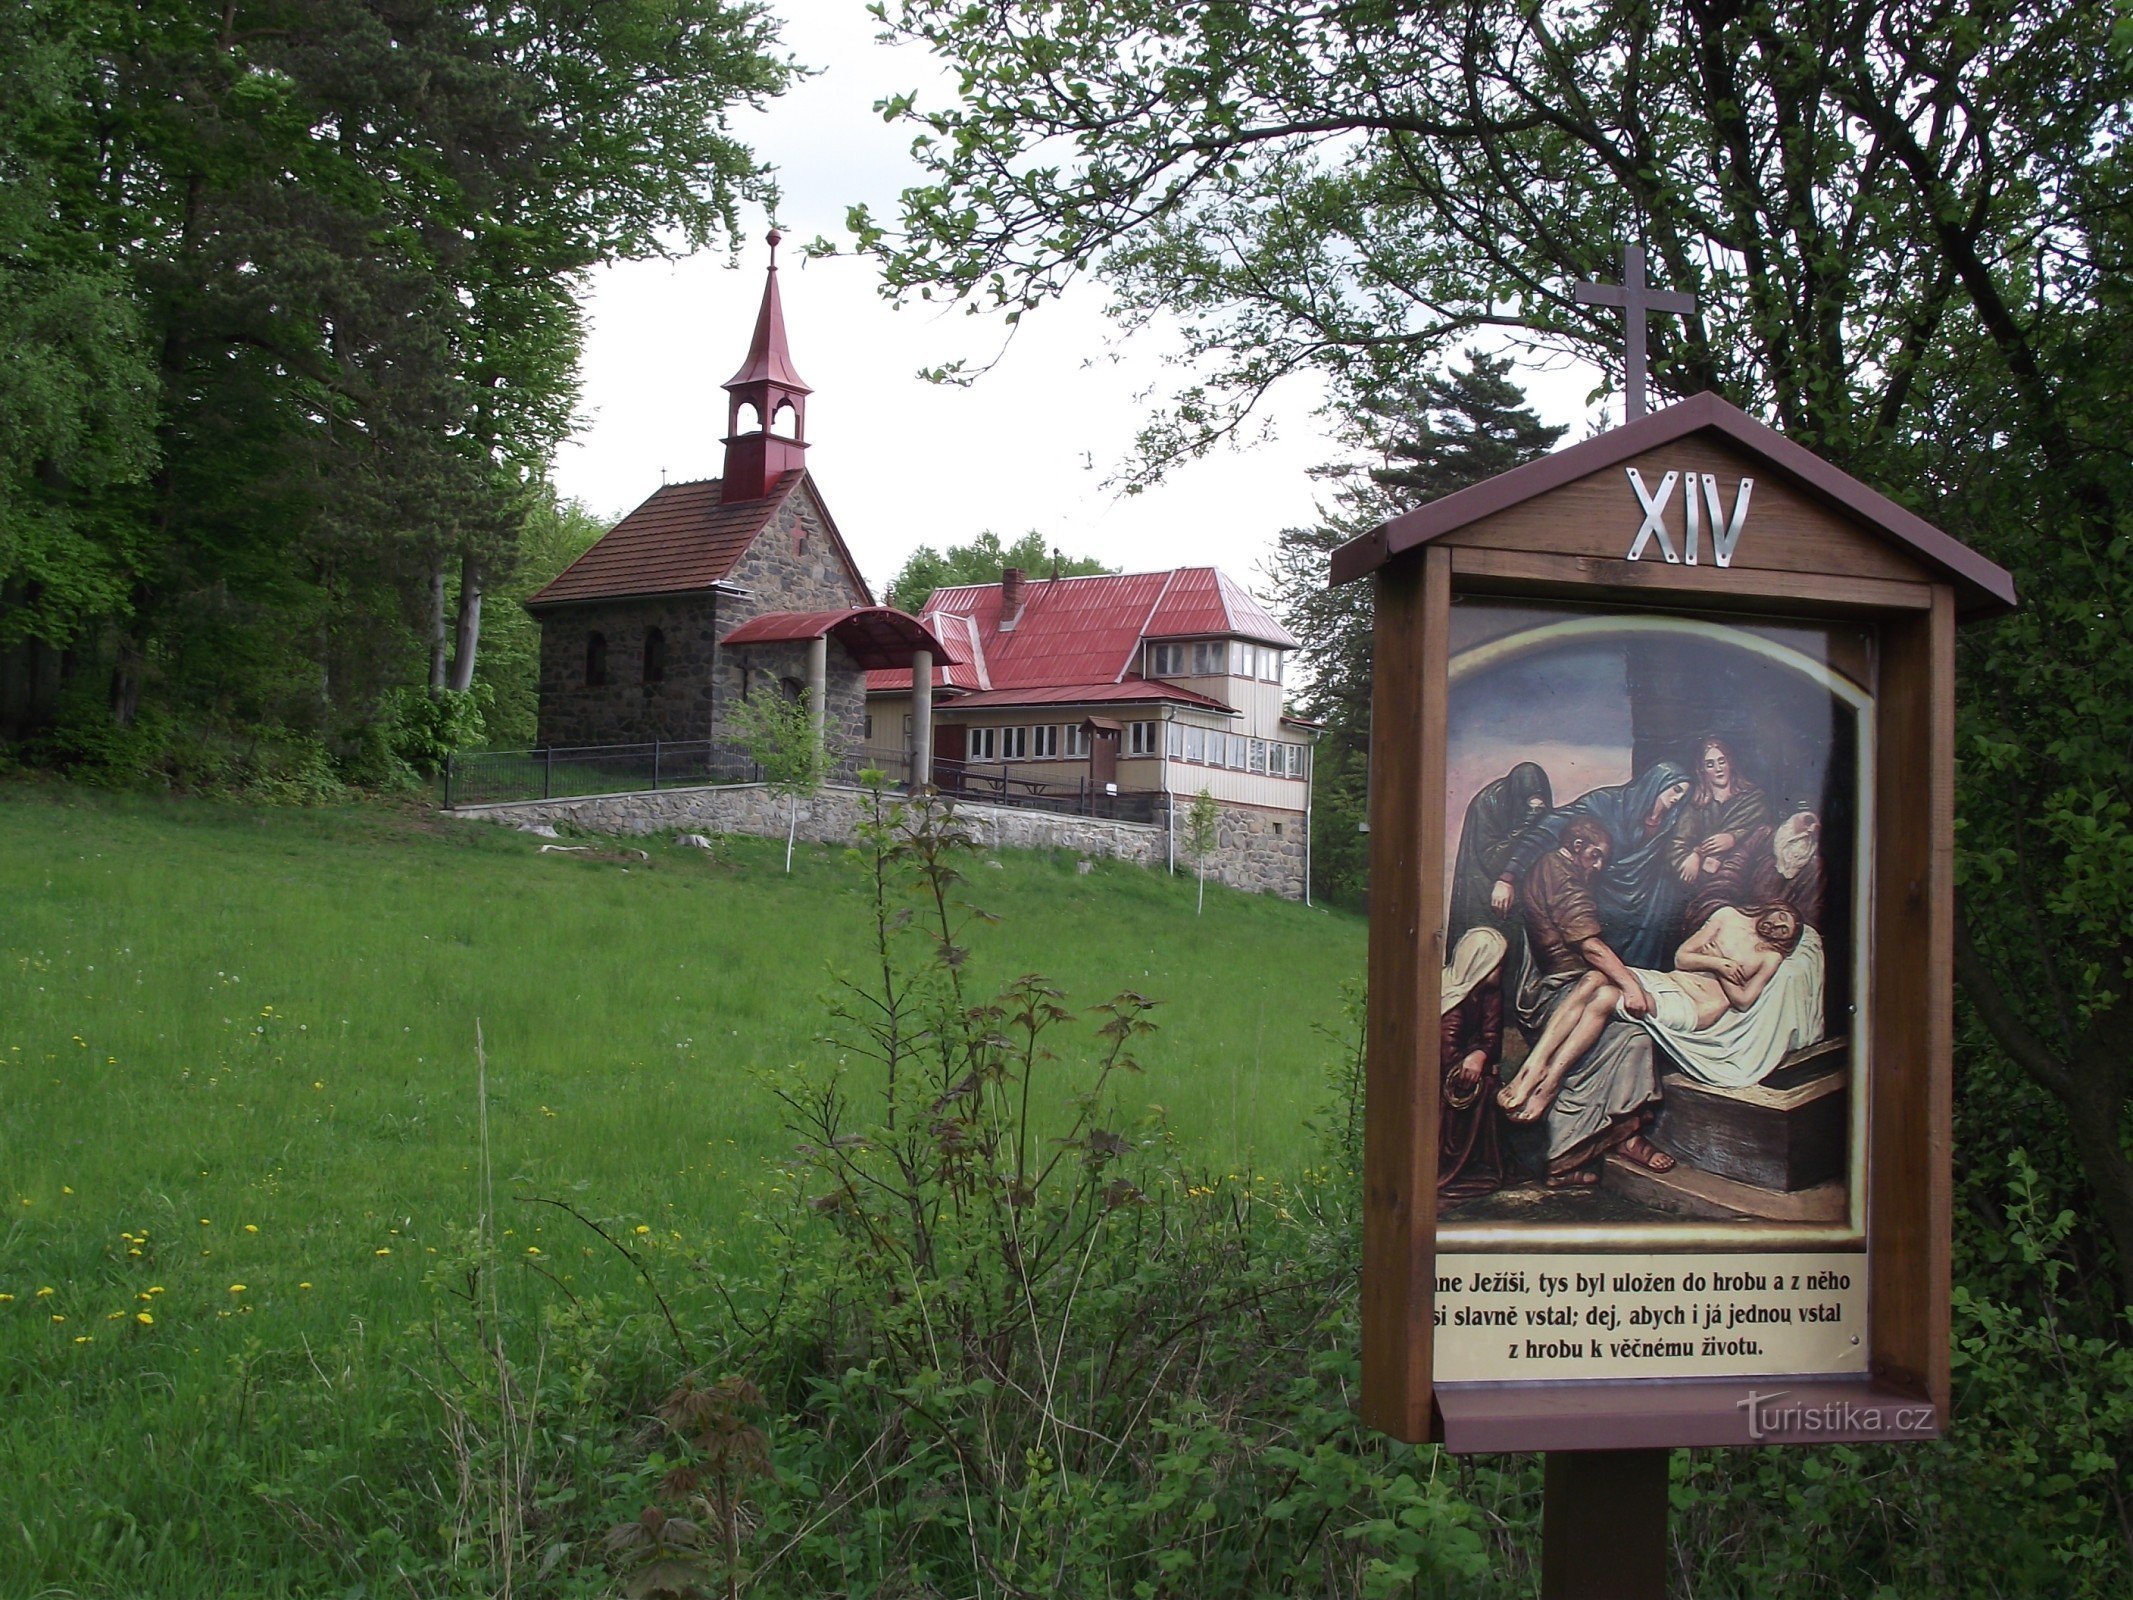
[768,358]
[767,384]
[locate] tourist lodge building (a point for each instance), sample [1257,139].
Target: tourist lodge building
[1121,696]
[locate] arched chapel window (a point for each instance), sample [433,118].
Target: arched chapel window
[595,660]
[655,656]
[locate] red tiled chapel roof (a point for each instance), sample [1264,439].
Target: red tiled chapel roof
[681,539]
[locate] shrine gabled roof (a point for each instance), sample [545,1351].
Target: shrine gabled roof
[683,538]
[1982,588]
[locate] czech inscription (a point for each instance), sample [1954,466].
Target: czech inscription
[1718,1314]
[1725,531]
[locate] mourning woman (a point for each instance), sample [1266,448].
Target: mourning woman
[1469,1150]
[1495,818]
[1721,834]
[1640,895]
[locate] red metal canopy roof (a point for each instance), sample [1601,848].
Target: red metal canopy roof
[879,638]
[1981,588]
[680,539]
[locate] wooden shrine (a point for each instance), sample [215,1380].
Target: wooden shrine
[1683,614]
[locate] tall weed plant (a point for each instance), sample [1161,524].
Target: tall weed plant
[1011,1355]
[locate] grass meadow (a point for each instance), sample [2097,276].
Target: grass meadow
[240,1132]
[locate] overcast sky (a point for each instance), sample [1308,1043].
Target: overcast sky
[900,461]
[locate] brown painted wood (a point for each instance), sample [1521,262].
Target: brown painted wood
[1406,958]
[1787,531]
[1603,1525]
[1909,1176]
[1982,589]
[1588,578]
[1651,1413]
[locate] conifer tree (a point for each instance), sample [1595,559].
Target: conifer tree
[1447,432]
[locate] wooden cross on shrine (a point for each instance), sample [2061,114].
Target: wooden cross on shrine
[1636,300]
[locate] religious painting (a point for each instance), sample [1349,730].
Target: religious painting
[1654,831]
[1656,828]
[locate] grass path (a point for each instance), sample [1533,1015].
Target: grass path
[238,1118]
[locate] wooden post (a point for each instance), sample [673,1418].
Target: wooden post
[548,773]
[449,758]
[1603,1525]
[655,766]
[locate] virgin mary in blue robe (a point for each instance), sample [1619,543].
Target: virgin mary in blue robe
[1640,896]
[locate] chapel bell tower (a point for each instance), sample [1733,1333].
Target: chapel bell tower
[766,412]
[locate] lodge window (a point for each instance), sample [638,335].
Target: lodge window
[1169,660]
[870,728]
[595,660]
[1177,741]
[1047,741]
[1143,737]
[1077,739]
[1195,744]
[1014,744]
[1239,752]
[1210,659]
[655,656]
[983,744]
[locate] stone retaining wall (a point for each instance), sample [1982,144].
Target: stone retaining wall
[1250,855]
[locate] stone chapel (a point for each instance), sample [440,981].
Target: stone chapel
[719,588]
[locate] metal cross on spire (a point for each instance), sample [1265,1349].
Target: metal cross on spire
[1635,299]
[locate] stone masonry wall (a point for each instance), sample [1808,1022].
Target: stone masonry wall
[1250,856]
[627,710]
[794,565]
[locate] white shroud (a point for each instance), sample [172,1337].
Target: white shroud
[1744,1047]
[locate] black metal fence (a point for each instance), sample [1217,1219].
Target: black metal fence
[490,777]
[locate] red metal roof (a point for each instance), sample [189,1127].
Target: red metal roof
[879,638]
[682,538]
[1072,633]
[1205,601]
[768,359]
[1981,588]
[1146,690]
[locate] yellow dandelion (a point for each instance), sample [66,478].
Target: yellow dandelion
[251,1227]
[236,1288]
[382,1252]
[46,1292]
[155,1288]
[533,1249]
[205,1223]
[59,1316]
[303,1286]
[318,1083]
[64,1189]
[144,1319]
[6,1299]
[85,1338]
[641,1228]
[114,1316]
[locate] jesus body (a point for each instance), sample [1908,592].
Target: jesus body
[1725,965]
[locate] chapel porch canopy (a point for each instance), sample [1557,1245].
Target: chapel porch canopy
[873,636]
